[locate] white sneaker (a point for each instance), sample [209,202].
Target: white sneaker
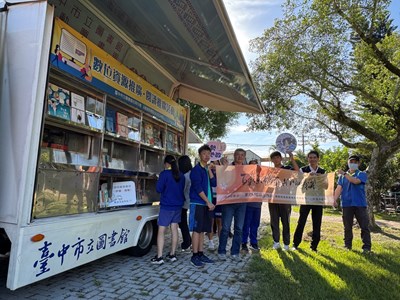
[211,245]
[286,248]
[294,248]
[276,246]
[236,257]
[222,257]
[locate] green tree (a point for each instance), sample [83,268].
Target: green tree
[334,64]
[335,159]
[209,124]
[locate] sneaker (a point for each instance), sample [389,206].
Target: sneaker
[286,248]
[196,261]
[245,248]
[171,257]
[236,257]
[276,246]
[254,247]
[211,245]
[294,248]
[157,260]
[206,260]
[222,257]
[186,250]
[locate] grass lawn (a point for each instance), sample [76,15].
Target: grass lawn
[333,272]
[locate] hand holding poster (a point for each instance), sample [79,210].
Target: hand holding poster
[252,183]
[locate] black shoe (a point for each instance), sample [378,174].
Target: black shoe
[254,247]
[171,258]
[157,260]
[245,248]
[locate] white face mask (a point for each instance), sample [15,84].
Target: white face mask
[353,166]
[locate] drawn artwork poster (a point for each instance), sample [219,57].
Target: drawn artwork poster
[59,102]
[77,108]
[122,124]
[254,183]
[217,148]
[286,142]
[171,137]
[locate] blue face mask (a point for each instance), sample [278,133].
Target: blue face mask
[353,166]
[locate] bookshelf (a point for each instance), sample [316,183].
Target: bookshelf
[97,153]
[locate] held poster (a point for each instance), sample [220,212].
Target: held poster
[253,183]
[79,57]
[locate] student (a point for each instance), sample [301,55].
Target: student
[170,185]
[185,166]
[217,214]
[281,211]
[251,221]
[351,189]
[237,212]
[201,206]
[316,210]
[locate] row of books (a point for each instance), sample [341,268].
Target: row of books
[121,124]
[71,106]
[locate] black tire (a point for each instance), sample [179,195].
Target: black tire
[145,242]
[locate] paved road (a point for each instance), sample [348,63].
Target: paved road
[123,277]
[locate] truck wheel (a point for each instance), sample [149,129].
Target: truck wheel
[145,241]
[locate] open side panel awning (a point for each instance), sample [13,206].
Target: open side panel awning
[185,48]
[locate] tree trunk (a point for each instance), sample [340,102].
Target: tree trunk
[379,157]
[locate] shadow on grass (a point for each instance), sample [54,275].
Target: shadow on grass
[332,273]
[368,276]
[389,235]
[338,275]
[288,276]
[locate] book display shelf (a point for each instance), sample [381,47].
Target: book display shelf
[97,153]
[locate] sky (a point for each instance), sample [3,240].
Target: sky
[249,18]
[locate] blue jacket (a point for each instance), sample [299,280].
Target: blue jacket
[199,178]
[172,196]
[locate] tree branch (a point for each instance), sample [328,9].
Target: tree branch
[378,53]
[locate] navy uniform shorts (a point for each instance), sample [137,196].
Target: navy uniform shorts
[200,218]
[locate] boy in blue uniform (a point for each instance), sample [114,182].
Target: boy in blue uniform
[351,189]
[201,206]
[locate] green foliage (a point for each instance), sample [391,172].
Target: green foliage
[332,65]
[335,159]
[209,124]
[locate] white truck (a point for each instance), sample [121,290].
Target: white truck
[88,110]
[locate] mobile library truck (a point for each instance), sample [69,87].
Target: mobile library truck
[88,110]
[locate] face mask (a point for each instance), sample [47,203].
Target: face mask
[353,166]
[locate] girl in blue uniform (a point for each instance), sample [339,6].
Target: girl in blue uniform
[170,185]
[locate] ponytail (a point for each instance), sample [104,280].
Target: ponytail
[174,166]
